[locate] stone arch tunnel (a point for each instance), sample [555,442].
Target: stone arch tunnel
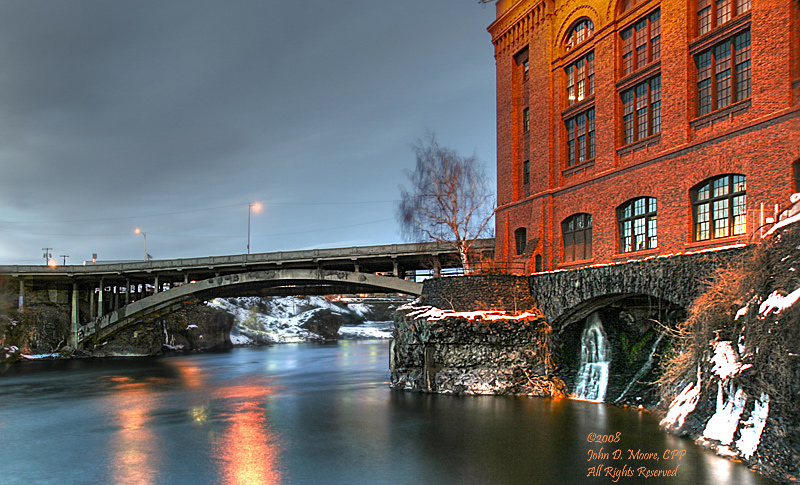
[634,302]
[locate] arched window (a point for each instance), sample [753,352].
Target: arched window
[537,263]
[637,225]
[719,207]
[521,240]
[577,233]
[579,32]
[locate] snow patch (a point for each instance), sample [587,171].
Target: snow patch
[432,314]
[750,432]
[680,407]
[777,302]
[726,362]
[725,420]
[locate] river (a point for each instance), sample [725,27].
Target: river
[311,413]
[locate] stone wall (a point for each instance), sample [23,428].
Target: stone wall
[569,296]
[472,353]
[484,292]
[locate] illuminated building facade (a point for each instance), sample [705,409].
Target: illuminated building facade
[628,129]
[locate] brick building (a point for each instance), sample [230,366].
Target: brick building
[627,129]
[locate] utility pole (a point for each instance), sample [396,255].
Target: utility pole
[47,255]
[65,256]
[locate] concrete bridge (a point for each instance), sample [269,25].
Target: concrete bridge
[105,298]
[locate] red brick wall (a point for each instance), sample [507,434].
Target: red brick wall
[758,137]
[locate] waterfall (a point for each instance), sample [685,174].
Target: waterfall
[592,377]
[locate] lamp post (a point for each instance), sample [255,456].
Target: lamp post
[251,207]
[139,231]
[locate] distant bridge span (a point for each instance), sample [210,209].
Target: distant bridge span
[104,298]
[268,282]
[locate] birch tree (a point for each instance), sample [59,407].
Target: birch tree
[448,201]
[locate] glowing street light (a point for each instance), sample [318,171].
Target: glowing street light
[52,263]
[139,231]
[251,207]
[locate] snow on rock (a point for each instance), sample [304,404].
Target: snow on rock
[432,313]
[777,302]
[680,407]
[750,431]
[281,319]
[726,363]
[725,420]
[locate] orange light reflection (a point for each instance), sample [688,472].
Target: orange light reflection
[247,451]
[134,448]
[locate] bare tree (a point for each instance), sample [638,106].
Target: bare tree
[449,200]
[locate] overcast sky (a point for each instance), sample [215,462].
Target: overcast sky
[173,115]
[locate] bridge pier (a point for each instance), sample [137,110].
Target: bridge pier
[75,320]
[100,302]
[21,294]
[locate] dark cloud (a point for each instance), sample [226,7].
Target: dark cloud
[173,115]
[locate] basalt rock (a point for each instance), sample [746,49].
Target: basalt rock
[472,353]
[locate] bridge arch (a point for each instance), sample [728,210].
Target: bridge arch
[254,283]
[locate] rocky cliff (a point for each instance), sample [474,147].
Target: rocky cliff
[733,380]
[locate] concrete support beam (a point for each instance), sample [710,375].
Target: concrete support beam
[157,285]
[21,294]
[75,321]
[437,267]
[100,302]
[92,307]
[127,292]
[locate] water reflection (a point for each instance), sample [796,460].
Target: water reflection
[135,448]
[247,452]
[307,414]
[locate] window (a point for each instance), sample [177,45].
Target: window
[723,73]
[637,225]
[641,43]
[641,110]
[526,172]
[713,13]
[719,207]
[580,79]
[526,120]
[580,31]
[537,263]
[521,240]
[796,170]
[521,60]
[580,138]
[577,233]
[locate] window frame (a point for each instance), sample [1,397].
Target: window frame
[723,73]
[572,39]
[579,76]
[526,120]
[709,15]
[639,213]
[571,227]
[642,108]
[587,130]
[526,172]
[520,240]
[713,207]
[632,47]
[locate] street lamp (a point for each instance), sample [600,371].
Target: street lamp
[139,231]
[251,207]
